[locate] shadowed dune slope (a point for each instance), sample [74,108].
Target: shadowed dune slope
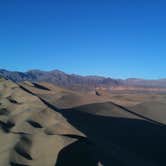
[119,134]
[44,125]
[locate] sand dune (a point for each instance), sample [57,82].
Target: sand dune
[154,110]
[29,129]
[61,97]
[45,125]
[122,134]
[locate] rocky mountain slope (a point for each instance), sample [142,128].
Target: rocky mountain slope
[76,82]
[59,78]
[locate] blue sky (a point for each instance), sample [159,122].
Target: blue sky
[116,38]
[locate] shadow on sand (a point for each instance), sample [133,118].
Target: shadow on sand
[116,141]
[79,153]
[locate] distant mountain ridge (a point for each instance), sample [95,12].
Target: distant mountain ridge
[71,80]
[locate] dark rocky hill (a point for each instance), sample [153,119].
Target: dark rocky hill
[76,81]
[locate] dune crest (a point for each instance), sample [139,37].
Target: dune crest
[45,125]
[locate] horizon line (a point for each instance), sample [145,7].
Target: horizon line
[83,75]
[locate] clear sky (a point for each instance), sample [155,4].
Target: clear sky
[116,38]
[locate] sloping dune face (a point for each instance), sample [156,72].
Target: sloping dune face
[155,110]
[30,132]
[61,97]
[122,134]
[44,125]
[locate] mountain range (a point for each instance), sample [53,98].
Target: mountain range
[74,81]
